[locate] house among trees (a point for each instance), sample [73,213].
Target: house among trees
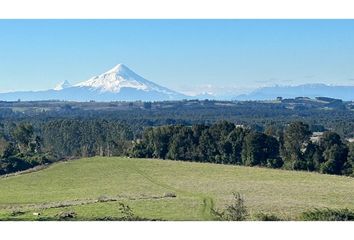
[316,136]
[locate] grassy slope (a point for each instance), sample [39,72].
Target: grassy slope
[197,186]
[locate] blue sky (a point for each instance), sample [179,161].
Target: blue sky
[191,56]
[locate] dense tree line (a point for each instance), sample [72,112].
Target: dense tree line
[224,142]
[138,115]
[86,138]
[24,145]
[20,149]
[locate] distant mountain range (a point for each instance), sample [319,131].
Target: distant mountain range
[122,84]
[345,93]
[118,84]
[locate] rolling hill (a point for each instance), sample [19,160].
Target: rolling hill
[305,90]
[166,190]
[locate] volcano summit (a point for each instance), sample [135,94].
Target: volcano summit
[117,84]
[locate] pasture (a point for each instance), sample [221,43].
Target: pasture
[93,188]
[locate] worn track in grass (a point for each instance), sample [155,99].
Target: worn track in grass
[207,202]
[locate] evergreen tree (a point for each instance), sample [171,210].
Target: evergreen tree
[296,138]
[335,154]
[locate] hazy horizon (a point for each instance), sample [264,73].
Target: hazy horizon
[188,56]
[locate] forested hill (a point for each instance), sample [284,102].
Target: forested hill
[320,113]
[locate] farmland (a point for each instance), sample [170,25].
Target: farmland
[93,188]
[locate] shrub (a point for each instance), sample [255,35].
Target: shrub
[36,159]
[127,213]
[267,217]
[17,213]
[13,164]
[274,162]
[237,211]
[328,215]
[67,215]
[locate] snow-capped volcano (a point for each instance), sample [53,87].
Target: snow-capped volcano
[121,77]
[118,84]
[62,85]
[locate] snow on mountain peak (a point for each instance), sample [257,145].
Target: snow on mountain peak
[117,84]
[120,77]
[62,85]
[118,68]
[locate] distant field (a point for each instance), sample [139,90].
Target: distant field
[146,185]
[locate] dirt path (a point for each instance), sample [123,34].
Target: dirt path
[76,202]
[207,201]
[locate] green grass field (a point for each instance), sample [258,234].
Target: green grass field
[145,186]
